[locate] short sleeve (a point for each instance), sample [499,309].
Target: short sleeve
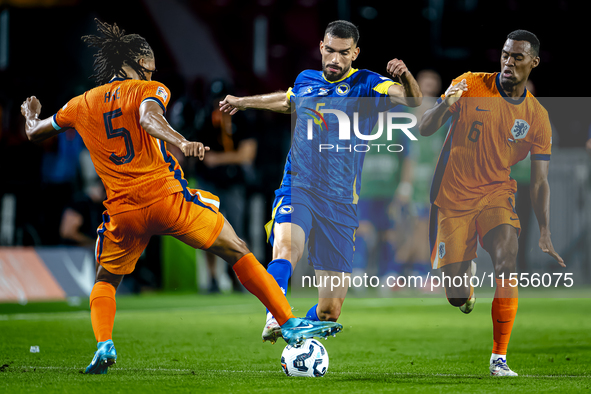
[380,85]
[156,92]
[66,117]
[289,95]
[542,144]
[467,76]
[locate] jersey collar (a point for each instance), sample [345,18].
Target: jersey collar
[118,79]
[504,95]
[351,72]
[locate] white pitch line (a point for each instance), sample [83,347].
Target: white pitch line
[450,375]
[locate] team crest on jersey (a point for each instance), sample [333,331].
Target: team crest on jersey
[520,129]
[161,92]
[322,92]
[441,249]
[309,90]
[286,209]
[343,89]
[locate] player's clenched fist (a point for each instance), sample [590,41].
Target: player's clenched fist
[230,104]
[31,107]
[454,92]
[396,68]
[194,149]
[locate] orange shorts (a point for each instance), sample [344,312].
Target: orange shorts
[192,217]
[453,234]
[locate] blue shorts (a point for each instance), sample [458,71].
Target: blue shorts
[329,226]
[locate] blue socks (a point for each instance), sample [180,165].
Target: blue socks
[281,270]
[312,314]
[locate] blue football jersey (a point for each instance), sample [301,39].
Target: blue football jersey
[334,173]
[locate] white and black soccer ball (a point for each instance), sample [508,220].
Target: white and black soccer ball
[309,359]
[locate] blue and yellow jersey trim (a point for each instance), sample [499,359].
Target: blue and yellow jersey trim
[289,94]
[351,72]
[382,88]
[270,224]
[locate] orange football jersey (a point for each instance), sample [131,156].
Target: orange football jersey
[489,133]
[135,167]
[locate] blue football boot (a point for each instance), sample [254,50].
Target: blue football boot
[104,357]
[296,330]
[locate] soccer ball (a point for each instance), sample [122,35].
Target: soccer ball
[309,359]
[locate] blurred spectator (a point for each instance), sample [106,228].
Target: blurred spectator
[83,215]
[226,166]
[386,188]
[59,173]
[20,161]
[416,252]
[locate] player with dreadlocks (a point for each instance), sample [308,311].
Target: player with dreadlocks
[123,126]
[116,50]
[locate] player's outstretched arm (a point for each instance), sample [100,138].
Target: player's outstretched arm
[408,93]
[539,191]
[276,102]
[153,121]
[37,130]
[435,117]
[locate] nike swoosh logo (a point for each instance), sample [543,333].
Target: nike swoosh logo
[308,326]
[514,219]
[479,109]
[508,321]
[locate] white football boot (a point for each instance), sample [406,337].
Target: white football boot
[499,368]
[469,305]
[272,330]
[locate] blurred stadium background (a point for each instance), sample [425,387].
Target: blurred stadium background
[49,194]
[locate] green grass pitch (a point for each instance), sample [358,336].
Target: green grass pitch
[190,343]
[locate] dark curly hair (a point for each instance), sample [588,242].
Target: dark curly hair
[116,49]
[524,35]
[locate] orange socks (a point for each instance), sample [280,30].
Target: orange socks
[256,280]
[102,310]
[504,309]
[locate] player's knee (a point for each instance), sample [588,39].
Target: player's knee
[103,275]
[506,251]
[505,259]
[505,267]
